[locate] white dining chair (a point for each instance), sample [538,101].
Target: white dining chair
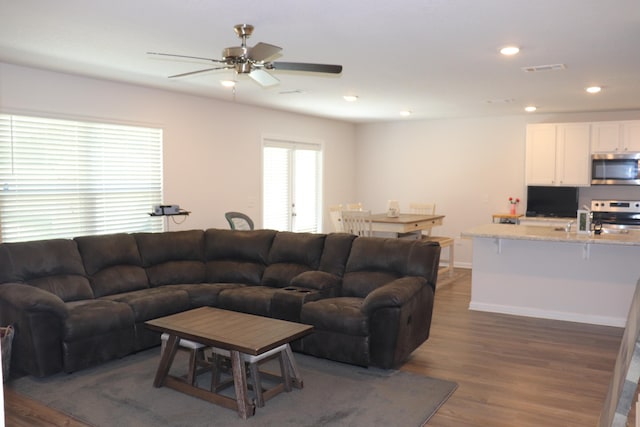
[357,222]
[357,206]
[335,213]
[444,241]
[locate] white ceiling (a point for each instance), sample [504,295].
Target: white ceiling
[437,58]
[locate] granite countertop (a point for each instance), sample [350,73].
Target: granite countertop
[552,234]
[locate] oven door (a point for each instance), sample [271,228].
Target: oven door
[619,219]
[615,169]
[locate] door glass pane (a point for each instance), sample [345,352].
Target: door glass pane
[276,210]
[305,191]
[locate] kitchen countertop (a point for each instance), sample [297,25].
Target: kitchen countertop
[552,234]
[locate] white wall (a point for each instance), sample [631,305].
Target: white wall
[212,149]
[468,167]
[212,158]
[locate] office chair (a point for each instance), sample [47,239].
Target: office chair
[239,221]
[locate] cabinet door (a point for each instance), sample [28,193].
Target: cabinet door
[573,164]
[631,135]
[606,137]
[541,154]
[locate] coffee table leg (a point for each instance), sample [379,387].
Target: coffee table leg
[296,376]
[166,360]
[246,408]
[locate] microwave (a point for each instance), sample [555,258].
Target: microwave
[615,169]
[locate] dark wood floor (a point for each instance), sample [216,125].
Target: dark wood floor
[511,371]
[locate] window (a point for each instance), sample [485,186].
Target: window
[291,194]
[62,178]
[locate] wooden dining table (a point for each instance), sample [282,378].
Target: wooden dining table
[403,225]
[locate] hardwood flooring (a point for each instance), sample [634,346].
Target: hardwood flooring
[511,371]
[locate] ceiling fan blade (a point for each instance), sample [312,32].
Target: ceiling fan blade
[300,66]
[263,51]
[263,78]
[184,56]
[197,72]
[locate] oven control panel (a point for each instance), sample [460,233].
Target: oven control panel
[629,206]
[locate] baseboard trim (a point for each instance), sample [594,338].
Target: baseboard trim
[548,314]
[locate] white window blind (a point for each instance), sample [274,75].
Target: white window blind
[292,185]
[62,178]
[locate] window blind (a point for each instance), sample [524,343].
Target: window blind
[63,178]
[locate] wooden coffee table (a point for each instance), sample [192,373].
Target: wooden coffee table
[229,330]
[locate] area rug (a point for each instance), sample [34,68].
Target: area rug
[120,393]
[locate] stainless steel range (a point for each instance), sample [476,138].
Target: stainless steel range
[616,214]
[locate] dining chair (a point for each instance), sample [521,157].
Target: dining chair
[357,222]
[239,221]
[357,206]
[335,213]
[444,241]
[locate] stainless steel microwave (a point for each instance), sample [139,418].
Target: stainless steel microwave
[615,169]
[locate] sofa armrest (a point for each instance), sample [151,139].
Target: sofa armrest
[319,280]
[393,294]
[27,298]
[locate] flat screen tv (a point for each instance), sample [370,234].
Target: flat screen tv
[552,201]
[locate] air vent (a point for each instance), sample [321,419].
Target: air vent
[291,92]
[538,68]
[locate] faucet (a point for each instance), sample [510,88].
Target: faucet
[567,227]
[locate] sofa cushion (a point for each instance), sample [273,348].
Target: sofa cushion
[113,263]
[173,257]
[95,317]
[292,254]
[154,302]
[205,294]
[237,256]
[52,265]
[374,262]
[337,247]
[248,299]
[343,315]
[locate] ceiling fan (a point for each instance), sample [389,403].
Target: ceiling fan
[254,61]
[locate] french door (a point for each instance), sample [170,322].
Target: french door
[291,189]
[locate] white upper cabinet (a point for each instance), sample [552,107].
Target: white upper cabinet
[558,154]
[615,137]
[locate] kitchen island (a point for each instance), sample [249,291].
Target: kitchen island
[548,272]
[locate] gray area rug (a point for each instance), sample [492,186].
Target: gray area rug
[120,393]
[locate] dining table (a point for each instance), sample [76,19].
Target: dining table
[403,225]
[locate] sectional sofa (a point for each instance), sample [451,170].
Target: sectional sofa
[79,302]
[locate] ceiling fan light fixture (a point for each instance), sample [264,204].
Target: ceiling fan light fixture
[350,98]
[405,113]
[509,50]
[228,83]
[530,108]
[593,89]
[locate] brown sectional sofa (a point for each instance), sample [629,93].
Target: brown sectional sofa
[77,303]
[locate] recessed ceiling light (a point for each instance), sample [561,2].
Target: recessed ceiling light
[530,108]
[593,89]
[509,50]
[228,83]
[405,113]
[350,98]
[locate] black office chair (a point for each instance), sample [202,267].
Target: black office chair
[239,221]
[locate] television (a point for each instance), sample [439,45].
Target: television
[552,201]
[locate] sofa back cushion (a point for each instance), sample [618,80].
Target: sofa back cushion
[52,265]
[335,254]
[237,256]
[292,254]
[175,257]
[374,262]
[113,263]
